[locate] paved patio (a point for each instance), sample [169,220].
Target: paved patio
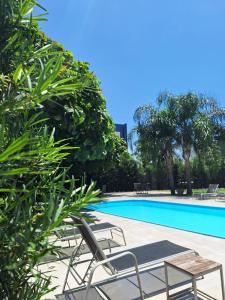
[138,233]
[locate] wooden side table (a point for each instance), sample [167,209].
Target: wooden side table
[194,266]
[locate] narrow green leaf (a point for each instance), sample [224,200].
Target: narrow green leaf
[18,72]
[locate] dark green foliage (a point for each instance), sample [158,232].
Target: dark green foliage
[122,174]
[79,115]
[82,117]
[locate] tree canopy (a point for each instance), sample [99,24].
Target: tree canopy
[190,124]
[79,116]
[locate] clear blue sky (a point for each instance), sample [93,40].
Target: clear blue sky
[138,48]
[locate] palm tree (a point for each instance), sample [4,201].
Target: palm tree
[156,137]
[196,119]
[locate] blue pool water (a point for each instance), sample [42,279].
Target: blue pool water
[196,218]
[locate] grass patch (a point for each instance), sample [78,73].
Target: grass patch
[200,191]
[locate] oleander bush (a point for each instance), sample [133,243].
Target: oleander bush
[36,190]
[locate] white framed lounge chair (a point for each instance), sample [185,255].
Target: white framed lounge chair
[120,263]
[211,192]
[133,286]
[66,234]
[137,188]
[69,233]
[142,188]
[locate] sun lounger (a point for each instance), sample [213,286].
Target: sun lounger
[66,252]
[220,197]
[73,234]
[142,188]
[137,188]
[128,287]
[211,192]
[146,255]
[81,248]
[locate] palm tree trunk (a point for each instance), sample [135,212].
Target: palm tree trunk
[169,166]
[186,156]
[154,180]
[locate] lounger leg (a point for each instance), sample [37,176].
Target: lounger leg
[125,243]
[194,288]
[167,282]
[87,271]
[139,283]
[109,246]
[75,252]
[67,274]
[120,230]
[222,283]
[122,234]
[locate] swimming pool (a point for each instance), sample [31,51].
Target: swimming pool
[195,218]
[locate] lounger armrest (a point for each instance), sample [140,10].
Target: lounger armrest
[108,260]
[126,253]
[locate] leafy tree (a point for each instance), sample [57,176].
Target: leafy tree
[82,117]
[121,175]
[79,116]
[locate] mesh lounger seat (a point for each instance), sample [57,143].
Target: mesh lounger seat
[122,262]
[66,252]
[127,287]
[148,254]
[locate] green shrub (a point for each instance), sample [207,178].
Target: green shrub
[36,193]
